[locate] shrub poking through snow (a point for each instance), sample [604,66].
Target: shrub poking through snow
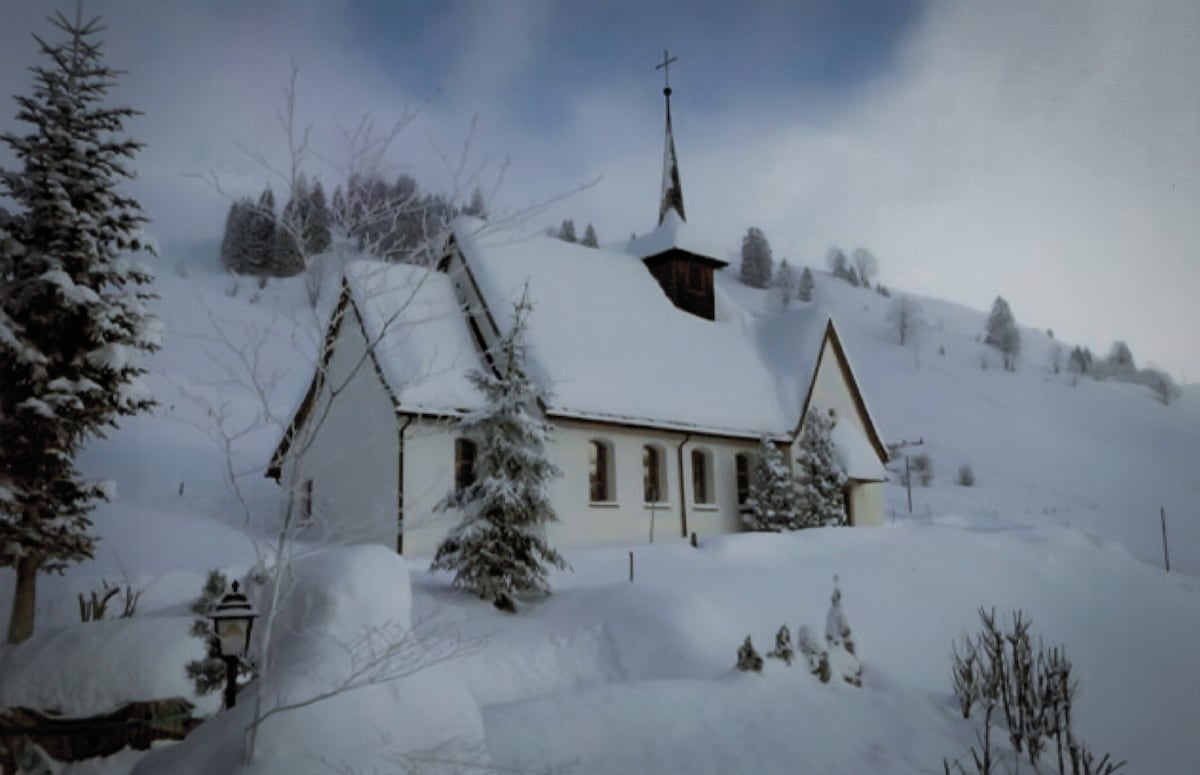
[966,476]
[840,641]
[208,674]
[837,630]
[747,658]
[1034,690]
[499,549]
[783,645]
[816,657]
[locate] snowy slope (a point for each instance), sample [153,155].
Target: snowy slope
[620,677]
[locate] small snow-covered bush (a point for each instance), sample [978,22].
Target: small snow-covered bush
[966,477]
[816,657]
[840,640]
[783,645]
[747,658]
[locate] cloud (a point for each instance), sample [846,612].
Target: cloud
[1045,152]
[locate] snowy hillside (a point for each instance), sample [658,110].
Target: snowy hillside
[1063,521]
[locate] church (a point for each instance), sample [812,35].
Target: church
[658,382]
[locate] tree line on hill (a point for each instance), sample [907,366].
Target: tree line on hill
[394,222]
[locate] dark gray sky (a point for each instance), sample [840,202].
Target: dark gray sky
[1045,151]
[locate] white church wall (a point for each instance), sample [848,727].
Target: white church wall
[351,456]
[831,390]
[867,504]
[624,518]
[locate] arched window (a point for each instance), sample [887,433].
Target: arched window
[744,463]
[654,474]
[601,482]
[465,452]
[702,484]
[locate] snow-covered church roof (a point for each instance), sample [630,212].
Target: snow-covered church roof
[603,339]
[674,233]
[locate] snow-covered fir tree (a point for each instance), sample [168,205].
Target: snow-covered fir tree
[73,313]
[819,479]
[287,257]
[566,232]
[499,548]
[235,243]
[757,265]
[476,207]
[772,505]
[804,289]
[1002,332]
[260,235]
[589,237]
[317,222]
[783,286]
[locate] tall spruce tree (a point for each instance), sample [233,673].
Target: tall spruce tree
[566,232]
[233,243]
[772,505]
[1002,332]
[499,549]
[260,235]
[73,312]
[317,222]
[819,479]
[804,291]
[783,286]
[757,266]
[589,237]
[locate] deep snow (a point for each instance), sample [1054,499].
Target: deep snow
[616,677]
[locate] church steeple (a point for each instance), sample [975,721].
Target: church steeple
[672,190]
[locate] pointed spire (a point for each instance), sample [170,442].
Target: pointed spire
[672,190]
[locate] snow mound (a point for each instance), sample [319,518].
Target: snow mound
[345,606]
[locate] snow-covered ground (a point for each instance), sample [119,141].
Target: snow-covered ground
[613,676]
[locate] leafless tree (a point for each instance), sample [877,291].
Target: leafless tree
[904,316]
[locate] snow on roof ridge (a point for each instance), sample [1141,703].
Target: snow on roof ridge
[673,232]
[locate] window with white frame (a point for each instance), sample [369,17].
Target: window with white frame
[601,481]
[654,474]
[702,481]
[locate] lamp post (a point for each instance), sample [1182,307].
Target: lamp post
[232,620]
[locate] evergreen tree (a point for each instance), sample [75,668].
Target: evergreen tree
[783,285]
[804,292]
[317,223]
[1002,332]
[499,549]
[819,479]
[73,313]
[816,657]
[566,232]
[757,265]
[838,264]
[286,258]
[234,244]
[772,505]
[840,640]
[783,645]
[337,209]
[260,235]
[747,658]
[589,237]
[476,208]
[1120,359]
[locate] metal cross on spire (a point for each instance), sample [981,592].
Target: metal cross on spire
[665,66]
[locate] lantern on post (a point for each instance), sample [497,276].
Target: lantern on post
[232,620]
